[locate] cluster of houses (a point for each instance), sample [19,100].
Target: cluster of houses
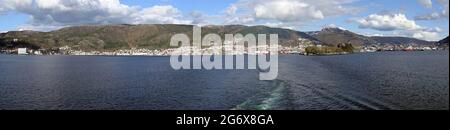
[16,47]
[29,51]
[229,50]
[196,51]
[374,48]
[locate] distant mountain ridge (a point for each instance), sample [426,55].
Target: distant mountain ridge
[157,36]
[334,36]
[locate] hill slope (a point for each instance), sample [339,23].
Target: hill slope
[334,36]
[443,42]
[113,37]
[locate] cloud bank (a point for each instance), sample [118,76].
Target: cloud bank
[436,15]
[387,22]
[85,12]
[400,24]
[287,12]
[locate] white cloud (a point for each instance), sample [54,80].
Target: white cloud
[39,27]
[445,5]
[7,5]
[286,12]
[443,14]
[400,24]
[429,36]
[279,25]
[426,3]
[81,12]
[159,14]
[387,22]
[231,10]
[240,19]
[431,16]
[334,26]
[74,12]
[198,18]
[423,35]
[432,34]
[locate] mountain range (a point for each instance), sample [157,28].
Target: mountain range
[334,36]
[157,36]
[112,37]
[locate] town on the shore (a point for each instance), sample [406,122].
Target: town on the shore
[302,49]
[207,51]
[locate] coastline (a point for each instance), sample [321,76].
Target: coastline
[280,54]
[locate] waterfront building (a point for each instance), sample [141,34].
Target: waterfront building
[22,51]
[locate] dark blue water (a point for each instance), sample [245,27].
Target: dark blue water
[387,80]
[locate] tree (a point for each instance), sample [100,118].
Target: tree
[312,50]
[346,47]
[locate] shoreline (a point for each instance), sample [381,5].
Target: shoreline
[300,54]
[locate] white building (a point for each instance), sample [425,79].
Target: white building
[37,52]
[22,51]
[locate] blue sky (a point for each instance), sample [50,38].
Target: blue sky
[410,18]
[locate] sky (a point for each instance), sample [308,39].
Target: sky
[422,19]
